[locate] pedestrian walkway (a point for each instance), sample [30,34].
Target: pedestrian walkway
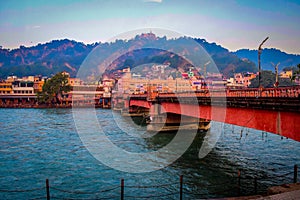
[282,192]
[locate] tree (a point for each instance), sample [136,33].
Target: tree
[268,80]
[54,88]
[296,74]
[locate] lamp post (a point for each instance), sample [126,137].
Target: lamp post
[205,70]
[259,68]
[276,74]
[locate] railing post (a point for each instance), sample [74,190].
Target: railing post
[255,185]
[181,182]
[47,189]
[122,189]
[295,173]
[239,182]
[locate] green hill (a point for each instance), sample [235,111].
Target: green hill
[68,55]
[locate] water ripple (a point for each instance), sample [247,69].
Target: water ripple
[43,143]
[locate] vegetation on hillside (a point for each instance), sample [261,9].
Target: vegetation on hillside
[66,55]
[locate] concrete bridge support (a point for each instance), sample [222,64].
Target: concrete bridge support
[135,111]
[165,121]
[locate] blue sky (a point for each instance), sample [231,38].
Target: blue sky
[234,24]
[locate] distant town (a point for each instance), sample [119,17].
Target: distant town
[24,92]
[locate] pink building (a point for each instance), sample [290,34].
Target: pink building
[244,79]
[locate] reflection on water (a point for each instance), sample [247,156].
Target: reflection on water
[42,143]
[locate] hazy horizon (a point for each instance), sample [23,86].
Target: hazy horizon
[233,24]
[60,39]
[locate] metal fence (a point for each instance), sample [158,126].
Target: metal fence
[240,185]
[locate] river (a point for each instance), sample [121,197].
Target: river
[40,144]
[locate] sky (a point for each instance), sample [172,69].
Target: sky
[234,24]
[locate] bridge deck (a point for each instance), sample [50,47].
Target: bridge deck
[276,114]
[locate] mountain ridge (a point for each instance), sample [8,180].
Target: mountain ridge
[67,55]
[269,56]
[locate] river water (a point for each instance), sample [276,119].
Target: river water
[40,144]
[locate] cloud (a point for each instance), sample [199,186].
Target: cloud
[36,26]
[155,1]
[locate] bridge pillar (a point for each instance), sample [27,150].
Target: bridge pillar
[134,111]
[125,107]
[164,121]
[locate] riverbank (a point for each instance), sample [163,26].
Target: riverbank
[51,106]
[285,191]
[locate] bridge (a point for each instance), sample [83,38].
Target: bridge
[275,110]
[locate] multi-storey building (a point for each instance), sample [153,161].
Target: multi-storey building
[5,88]
[38,84]
[244,79]
[130,85]
[22,87]
[17,92]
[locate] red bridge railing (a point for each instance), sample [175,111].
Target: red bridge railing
[292,92]
[287,92]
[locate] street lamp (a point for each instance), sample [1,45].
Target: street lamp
[276,74]
[259,68]
[205,68]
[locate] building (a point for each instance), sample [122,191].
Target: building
[38,84]
[286,74]
[18,86]
[22,92]
[5,88]
[244,79]
[21,87]
[231,83]
[129,85]
[16,92]
[74,81]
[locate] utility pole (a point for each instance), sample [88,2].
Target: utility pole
[259,68]
[276,74]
